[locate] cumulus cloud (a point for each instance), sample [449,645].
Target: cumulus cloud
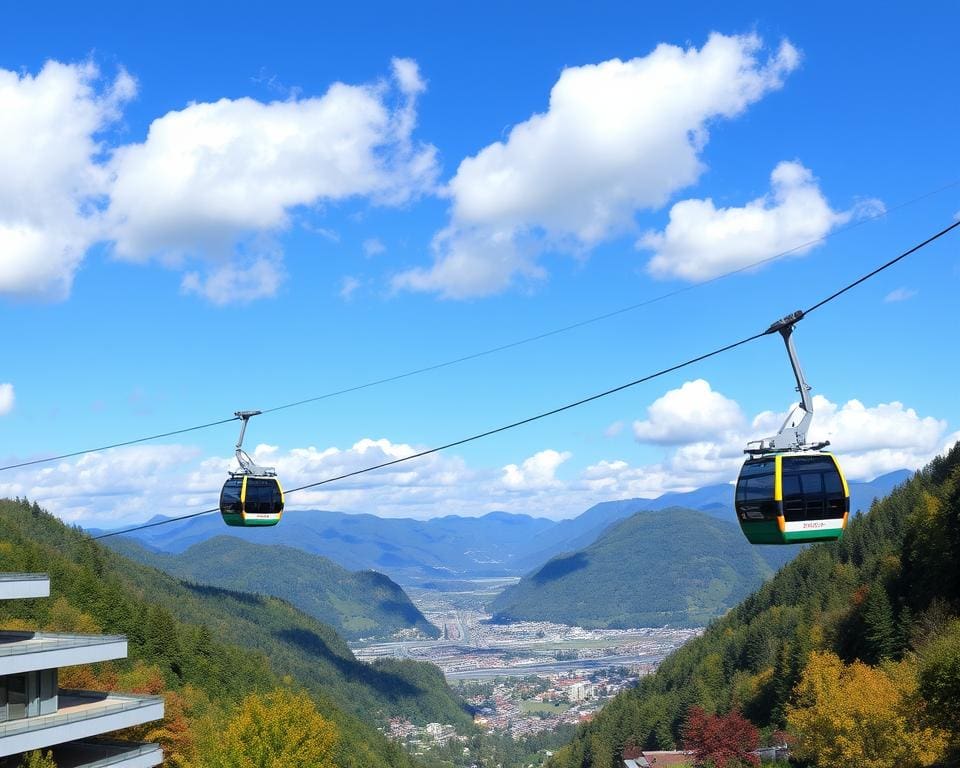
[538,471]
[210,188]
[54,180]
[900,294]
[873,440]
[870,440]
[6,398]
[212,177]
[617,137]
[692,412]
[702,241]
[130,483]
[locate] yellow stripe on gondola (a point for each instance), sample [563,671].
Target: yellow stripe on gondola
[243,499]
[778,478]
[843,479]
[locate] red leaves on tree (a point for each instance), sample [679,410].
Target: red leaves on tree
[721,740]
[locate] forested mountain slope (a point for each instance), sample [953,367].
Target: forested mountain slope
[854,647]
[360,604]
[677,567]
[221,643]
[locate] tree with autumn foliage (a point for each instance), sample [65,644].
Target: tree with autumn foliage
[281,729]
[38,759]
[860,716]
[720,740]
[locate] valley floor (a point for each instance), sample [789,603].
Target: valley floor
[525,677]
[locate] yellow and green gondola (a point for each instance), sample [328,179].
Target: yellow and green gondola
[792,498]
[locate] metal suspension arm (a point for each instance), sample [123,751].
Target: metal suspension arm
[785,327]
[247,465]
[793,433]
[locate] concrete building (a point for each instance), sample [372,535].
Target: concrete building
[35,713]
[580,691]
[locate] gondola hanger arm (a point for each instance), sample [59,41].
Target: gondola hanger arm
[793,432]
[247,465]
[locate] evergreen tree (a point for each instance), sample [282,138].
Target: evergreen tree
[880,629]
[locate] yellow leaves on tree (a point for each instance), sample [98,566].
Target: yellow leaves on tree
[181,712]
[38,759]
[63,617]
[860,716]
[281,729]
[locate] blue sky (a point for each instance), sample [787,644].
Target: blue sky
[196,218]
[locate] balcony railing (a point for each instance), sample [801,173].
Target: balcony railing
[14,643]
[78,706]
[24,577]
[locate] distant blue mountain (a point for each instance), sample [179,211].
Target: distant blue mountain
[456,547]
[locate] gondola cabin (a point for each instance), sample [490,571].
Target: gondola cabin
[792,498]
[248,500]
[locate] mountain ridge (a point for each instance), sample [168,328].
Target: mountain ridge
[676,566]
[455,546]
[358,604]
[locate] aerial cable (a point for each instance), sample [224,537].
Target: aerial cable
[663,372]
[120,445]
[509,345]
[622,310]
[472,438]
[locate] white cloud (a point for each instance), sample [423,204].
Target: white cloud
[900,294]
[870,440]
[614,429]
[618,137]
[208,190]
[702,241]
[475,262]
[53,181]
[131,484]
[373,246]
[347,286]
[538,471]
[692,412]
[407,73]
[855,427]
[6,398]
[126,483]
[213,177]
[237,281]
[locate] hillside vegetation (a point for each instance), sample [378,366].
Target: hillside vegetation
[677,567]
[210,649]
[361,604]
[854,648]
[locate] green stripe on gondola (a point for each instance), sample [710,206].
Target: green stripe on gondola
[762,532]
[271,521]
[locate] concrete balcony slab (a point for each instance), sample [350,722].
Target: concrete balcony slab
[100,754]
[29,651]
[14,586]
[81,715]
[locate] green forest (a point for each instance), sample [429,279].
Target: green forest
[851,653]
[676,566]
[216,655]
[358,604]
